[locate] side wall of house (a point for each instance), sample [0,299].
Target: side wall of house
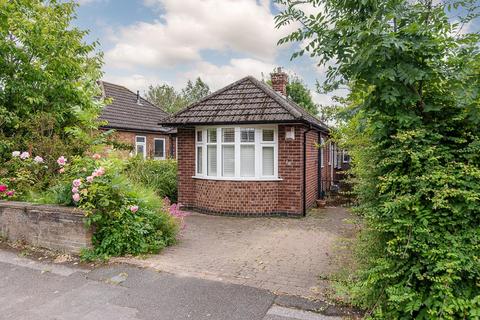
[129,138]
[312,168]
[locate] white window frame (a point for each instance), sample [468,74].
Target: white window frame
[258,143]
[164,149]
[141,143]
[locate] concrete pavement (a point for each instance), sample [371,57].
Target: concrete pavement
[32,290]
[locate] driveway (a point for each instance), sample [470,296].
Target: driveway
[282,255]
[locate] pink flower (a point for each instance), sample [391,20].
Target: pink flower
[98,172]
[38,159]
[90,179]
[96,156]
[62,170]
[24,155]
[74,190]
[76,197]
[15,154]
[134,209]
[3,188]
[10,193]
[77,183]
[61,161]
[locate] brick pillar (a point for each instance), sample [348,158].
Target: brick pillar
[279,81]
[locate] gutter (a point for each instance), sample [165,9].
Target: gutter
[319,168]
[304,193]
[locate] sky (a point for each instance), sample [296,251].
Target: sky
[150,42]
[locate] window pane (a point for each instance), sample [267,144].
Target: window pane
[140,149]
[247,135]
[247,161]
[228,135]
[199,136]
[212,135]
[159,148]
[268,135]
[268,163]
[212,160]
[228,158]
[200,160]
[140,139]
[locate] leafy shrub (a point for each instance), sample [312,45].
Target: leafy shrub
[413,129]
[128,218]
[160,176]
[22,174]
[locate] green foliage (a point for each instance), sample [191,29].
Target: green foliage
[195,91]
[298,91]
[160,176]
[48,80]
[412,124]
[128,218]
[170,100]
[166,97]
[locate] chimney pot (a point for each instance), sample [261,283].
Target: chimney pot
[138,97]
[279,81]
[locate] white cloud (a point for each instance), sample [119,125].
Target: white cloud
[187,27]
[219,76]
[134,82]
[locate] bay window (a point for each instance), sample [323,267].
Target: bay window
[236,152]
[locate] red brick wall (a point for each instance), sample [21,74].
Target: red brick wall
[312,167]
[129,138]
[186,166]
[290,170]
[239,197]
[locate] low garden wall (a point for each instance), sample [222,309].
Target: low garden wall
[52,227]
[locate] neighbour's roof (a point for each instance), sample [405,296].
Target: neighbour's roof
[124,113]
[247,101]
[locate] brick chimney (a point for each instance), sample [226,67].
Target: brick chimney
[279,81]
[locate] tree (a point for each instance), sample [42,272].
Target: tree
[195,91]
[298,91]
[48,79]
[413,128]
[170,100]
[166,97]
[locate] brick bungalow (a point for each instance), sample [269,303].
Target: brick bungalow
[135,121]
[248,150]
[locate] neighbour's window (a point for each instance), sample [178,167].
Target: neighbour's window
[237,152]
[159,149]
[141,146]
[346,157]
[339,158]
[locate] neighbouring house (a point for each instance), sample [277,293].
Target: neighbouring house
[135,121]
[246,149]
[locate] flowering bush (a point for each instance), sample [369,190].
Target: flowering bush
[22,174]
[127,218]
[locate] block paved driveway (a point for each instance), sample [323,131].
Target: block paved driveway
[282,255]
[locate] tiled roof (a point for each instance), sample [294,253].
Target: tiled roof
[244,101]
[124,113]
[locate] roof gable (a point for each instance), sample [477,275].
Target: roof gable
[124,113]
[244,101]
